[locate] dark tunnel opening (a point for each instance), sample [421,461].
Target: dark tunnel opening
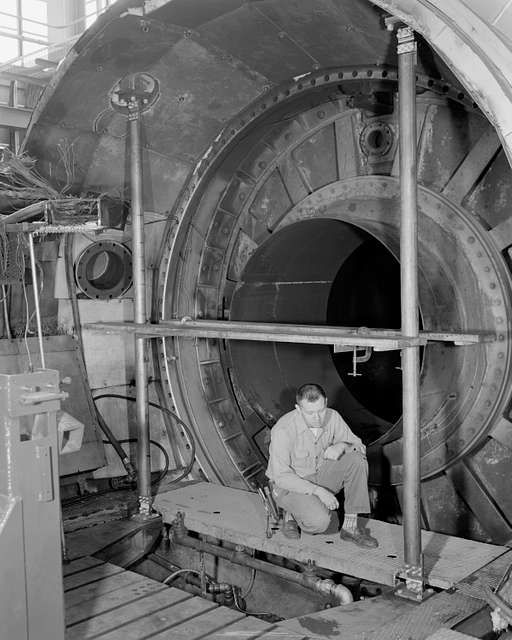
[323,272]
[366,293]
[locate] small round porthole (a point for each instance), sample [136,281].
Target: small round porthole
[104,270]
[376,139]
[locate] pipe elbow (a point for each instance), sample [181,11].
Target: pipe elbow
[343,594]
[329,587]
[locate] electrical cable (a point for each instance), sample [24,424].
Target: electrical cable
[164,471]
[21,264]
[248,613]
[184,426]
[179,572]
[249,587]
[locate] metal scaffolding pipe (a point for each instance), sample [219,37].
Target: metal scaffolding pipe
[409,298]
[139,280]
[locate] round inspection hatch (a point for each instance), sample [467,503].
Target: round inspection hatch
[104,270]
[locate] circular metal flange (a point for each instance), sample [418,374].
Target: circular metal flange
[202,287]
[463,287]
[134,92]
[104,270]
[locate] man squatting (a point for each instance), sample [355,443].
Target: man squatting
[313,455]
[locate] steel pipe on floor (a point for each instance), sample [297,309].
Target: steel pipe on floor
[326,587]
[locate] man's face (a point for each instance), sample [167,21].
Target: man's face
[313,412]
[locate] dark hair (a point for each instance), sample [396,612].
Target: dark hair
[310,392]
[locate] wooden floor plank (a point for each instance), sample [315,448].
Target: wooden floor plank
[90,575]
[112,600]
[80,565]
[284,634]
[351,621]
[449,634]
[239,517]
[444,609]
[158,621]
[140,612]
[99,588]
[90,540]
[216,620]
[246,629]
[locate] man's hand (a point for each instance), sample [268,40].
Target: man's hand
[335,451]
[328,498]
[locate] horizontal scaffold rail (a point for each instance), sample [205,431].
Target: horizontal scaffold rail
[379,339]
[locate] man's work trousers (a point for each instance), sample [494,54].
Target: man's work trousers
[350,472]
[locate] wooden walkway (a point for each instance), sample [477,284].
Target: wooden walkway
[106,602]
[239,517]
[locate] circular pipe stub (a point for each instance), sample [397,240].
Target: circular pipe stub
[104,270]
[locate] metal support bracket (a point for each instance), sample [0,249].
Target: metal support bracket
[410,583]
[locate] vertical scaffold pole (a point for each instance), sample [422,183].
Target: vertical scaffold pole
[139,280]
[413,570]
[131,96]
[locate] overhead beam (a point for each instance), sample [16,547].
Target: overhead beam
[22,77]
[14,117]
[379,339]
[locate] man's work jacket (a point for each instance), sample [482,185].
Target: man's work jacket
[295,453]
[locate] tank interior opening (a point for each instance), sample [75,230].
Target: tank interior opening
[105,270]
[323,272]
[366,293]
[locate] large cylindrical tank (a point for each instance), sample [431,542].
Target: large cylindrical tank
[271,150]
